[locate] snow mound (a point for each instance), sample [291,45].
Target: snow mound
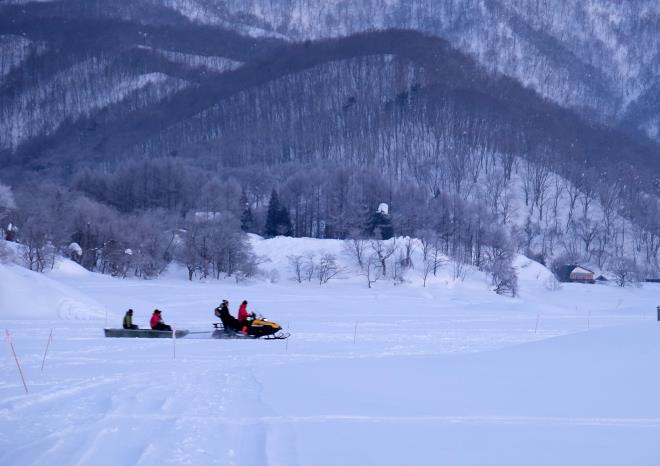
[534,277]
[279,249]
[68,268]
[25,294]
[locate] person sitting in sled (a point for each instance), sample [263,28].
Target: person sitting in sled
[128,321]
[222,312]
[157,322]
[243,317]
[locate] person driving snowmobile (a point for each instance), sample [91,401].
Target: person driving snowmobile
[243,317]
[243,313]
[222,312]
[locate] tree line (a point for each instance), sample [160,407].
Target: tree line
[138,219]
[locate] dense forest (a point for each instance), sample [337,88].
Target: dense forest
[162,139]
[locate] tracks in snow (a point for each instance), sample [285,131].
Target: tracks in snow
[154,418]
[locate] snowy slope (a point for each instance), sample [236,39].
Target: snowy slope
[29,295]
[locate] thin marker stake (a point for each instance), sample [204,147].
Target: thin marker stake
[538,317]
[173,342]
[589,320]
[286,345]
[50,338]
[11,344]
[355,333]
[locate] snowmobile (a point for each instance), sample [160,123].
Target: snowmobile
[258,327]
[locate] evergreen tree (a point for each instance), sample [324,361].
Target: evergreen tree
[284,228]
[381,226]
[270,229]
[278,221]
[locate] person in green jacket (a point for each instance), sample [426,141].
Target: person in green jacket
[128,320]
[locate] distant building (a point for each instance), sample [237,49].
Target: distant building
[582,275]
[576,274]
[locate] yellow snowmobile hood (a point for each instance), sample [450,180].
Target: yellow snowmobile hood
[265,323]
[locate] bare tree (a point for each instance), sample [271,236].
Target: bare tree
[408,250]
[427,238]
[355,248]
[383,251]
[573,192]
[504,277]
[310,266]
[251,266]
[432,257]
[187,252]
[586,230]
[38,251]
[459,269]
[189,249]
[432,263]
[37,237]
[372,270]
[327,269]
[536,185]
[296,262]
[626,271]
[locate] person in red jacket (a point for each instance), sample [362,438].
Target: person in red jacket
[243,315]
[157,322]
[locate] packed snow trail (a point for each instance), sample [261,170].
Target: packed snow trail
[135,414]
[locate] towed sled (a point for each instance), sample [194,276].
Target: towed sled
[142,333]
[258,327]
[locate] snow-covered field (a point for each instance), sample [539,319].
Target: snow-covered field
[450,374]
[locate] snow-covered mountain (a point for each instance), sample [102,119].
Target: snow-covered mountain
[341,107]
[599,56]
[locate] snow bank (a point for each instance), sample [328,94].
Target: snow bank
[533,278]
[278,249]
[25,294]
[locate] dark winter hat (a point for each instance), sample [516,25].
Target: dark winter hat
[157,311]
[224,301]
[130,311]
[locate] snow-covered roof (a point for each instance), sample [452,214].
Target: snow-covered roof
[580,270]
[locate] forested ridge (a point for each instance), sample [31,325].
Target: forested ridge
[168,124]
